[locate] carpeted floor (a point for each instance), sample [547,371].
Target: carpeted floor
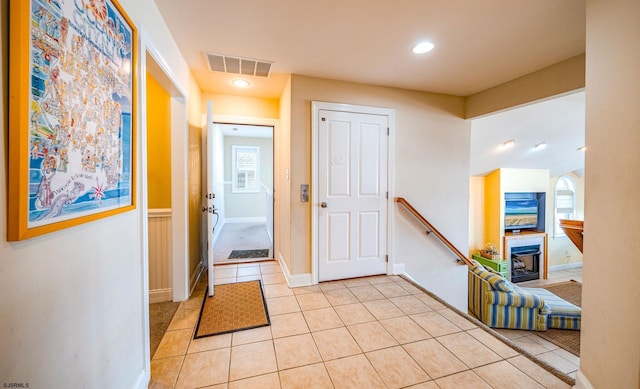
[160,315]
[233,307]
[567,339]
[241,236]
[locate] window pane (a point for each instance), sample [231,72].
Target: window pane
[564,202]
[251,179]
[241,182]
[246,161]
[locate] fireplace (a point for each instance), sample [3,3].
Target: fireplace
[525,263]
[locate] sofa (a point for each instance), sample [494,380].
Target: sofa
[500,304]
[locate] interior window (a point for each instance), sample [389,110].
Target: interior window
[565,202]
[246,169]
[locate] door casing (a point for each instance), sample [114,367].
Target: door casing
[316,106]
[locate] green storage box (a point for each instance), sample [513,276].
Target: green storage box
[499,265]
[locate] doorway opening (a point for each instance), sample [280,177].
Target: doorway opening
[242,165]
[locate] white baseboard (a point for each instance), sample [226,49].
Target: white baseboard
[245,219]
[582,382]
[398,268]
[565,266]
[160,295]
[295,280]
[143,380]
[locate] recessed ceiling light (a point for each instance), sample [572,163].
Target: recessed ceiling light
[583,148]
[540,146]
[241,83]
[508,144]
[423,47]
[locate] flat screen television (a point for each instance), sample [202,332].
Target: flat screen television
[520,214]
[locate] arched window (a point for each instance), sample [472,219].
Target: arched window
[565,202]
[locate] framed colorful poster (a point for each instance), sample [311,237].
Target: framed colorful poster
[72,114]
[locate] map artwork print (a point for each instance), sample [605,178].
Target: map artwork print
[80,130]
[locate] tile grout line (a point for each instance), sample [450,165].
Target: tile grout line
[376,319]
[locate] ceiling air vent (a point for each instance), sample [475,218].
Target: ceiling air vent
[236,65]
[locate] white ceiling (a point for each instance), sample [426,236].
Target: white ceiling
[559,122]
[246,130]
[479,44]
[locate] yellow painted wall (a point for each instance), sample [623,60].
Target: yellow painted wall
[476,214]
[493,209]
[195,194]
[230,105]
[158,145]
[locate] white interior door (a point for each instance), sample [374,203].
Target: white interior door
[352,194]
[210,196]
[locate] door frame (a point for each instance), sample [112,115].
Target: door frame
[150,59]
[267,122]
[316,107]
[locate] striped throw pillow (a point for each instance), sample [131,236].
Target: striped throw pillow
[496,280]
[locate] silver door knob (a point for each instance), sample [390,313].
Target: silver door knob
[323,204]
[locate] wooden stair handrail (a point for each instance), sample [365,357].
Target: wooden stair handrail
[432,229]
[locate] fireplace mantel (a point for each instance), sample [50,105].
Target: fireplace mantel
[526,238]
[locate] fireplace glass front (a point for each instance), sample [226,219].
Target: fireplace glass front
[525,263]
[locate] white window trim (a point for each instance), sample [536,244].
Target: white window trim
[558,232]
[234,177]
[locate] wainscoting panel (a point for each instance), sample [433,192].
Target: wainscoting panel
[160,255]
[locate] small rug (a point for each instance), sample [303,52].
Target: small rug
[262,253]
[160,315]
[567,339]
[233,307]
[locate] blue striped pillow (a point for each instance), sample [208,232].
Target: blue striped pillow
[496,280]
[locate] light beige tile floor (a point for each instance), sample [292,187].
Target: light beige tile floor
[374,332]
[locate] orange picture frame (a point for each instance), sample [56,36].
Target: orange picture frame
[72,115]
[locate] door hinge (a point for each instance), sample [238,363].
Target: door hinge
[386,258]
[387,131]
[387,195]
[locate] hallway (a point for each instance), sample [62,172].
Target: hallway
[373,332]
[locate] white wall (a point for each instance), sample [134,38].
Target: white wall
[248,205]
[73,300]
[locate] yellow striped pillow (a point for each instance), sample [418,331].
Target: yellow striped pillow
[496,280]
